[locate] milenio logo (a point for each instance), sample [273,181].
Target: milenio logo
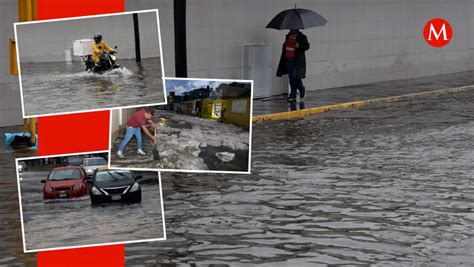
[438,32]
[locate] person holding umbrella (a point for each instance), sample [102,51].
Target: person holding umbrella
[293,58]
[293,62]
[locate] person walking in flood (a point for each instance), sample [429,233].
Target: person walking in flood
[293,62]
[135,125]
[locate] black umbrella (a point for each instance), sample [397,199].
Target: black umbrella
[296,18]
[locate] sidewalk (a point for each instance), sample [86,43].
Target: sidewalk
[331,96]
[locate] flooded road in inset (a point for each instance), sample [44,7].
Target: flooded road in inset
[186,142]
[75,222]
[59,87]
[386,184]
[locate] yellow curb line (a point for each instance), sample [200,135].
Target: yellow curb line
[317,110]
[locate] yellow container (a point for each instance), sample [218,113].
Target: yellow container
[237,111]
[13,62]
[212,108]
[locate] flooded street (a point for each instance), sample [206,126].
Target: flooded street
[58,87]
[387,183]
[189,143]
[75,222]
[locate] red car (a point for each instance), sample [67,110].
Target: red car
[65,182]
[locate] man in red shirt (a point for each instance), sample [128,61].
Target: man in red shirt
[134,126]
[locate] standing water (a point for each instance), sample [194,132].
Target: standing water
[57,87]
[387,184]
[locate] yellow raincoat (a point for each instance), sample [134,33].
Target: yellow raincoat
[98,49]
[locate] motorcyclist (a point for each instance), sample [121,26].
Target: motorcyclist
[98,48]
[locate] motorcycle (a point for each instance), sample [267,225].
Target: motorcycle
[106,63]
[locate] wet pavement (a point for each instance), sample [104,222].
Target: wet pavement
[11,249]
[317,98]
[189,143]
[58,87]
[384,184]
[75,222]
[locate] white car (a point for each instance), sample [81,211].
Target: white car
[91,164]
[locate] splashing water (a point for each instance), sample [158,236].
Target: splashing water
[57,87]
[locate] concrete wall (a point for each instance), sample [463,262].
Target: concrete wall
[119,120]
[364,41]
[166,25]
[45,42]
[10,106]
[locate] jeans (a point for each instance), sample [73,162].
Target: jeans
[128,136]
[295,83]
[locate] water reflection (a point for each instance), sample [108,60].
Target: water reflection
[295,105]
[389,184]
[10,241]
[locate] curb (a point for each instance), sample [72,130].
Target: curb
[297,114]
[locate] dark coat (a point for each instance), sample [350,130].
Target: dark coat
[302,40]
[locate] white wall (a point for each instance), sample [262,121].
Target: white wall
[45,42]
[165,9]
[10,108]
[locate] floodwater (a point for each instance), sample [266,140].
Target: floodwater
[75,222]
[188,143]
[11,250]
[57,87]
[386,184]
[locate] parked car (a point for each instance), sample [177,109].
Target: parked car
[91,164]
[115,185]
[75,160]
[65,182]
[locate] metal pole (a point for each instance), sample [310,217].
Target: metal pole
[138,56]
[180,53]
[33,130]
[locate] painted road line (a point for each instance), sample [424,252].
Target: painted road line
[296,114]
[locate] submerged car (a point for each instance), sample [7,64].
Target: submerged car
[91,164]
[115,186]
[65,182]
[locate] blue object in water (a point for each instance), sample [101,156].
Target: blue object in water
[12,139]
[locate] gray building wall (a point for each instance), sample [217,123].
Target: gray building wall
[45,42]
[364,41]
[10,106]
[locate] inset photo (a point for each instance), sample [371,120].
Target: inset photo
[72,201]
[90,63]
[205,127]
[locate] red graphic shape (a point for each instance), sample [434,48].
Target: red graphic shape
[77,133]
[103,256]
[438,32]
[55,9]
[73,133]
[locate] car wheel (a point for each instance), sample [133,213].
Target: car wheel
[94,201]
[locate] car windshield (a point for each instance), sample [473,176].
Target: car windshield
[61,175]
[112,176]
[94,162]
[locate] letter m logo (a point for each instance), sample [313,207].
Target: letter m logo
[438,32]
